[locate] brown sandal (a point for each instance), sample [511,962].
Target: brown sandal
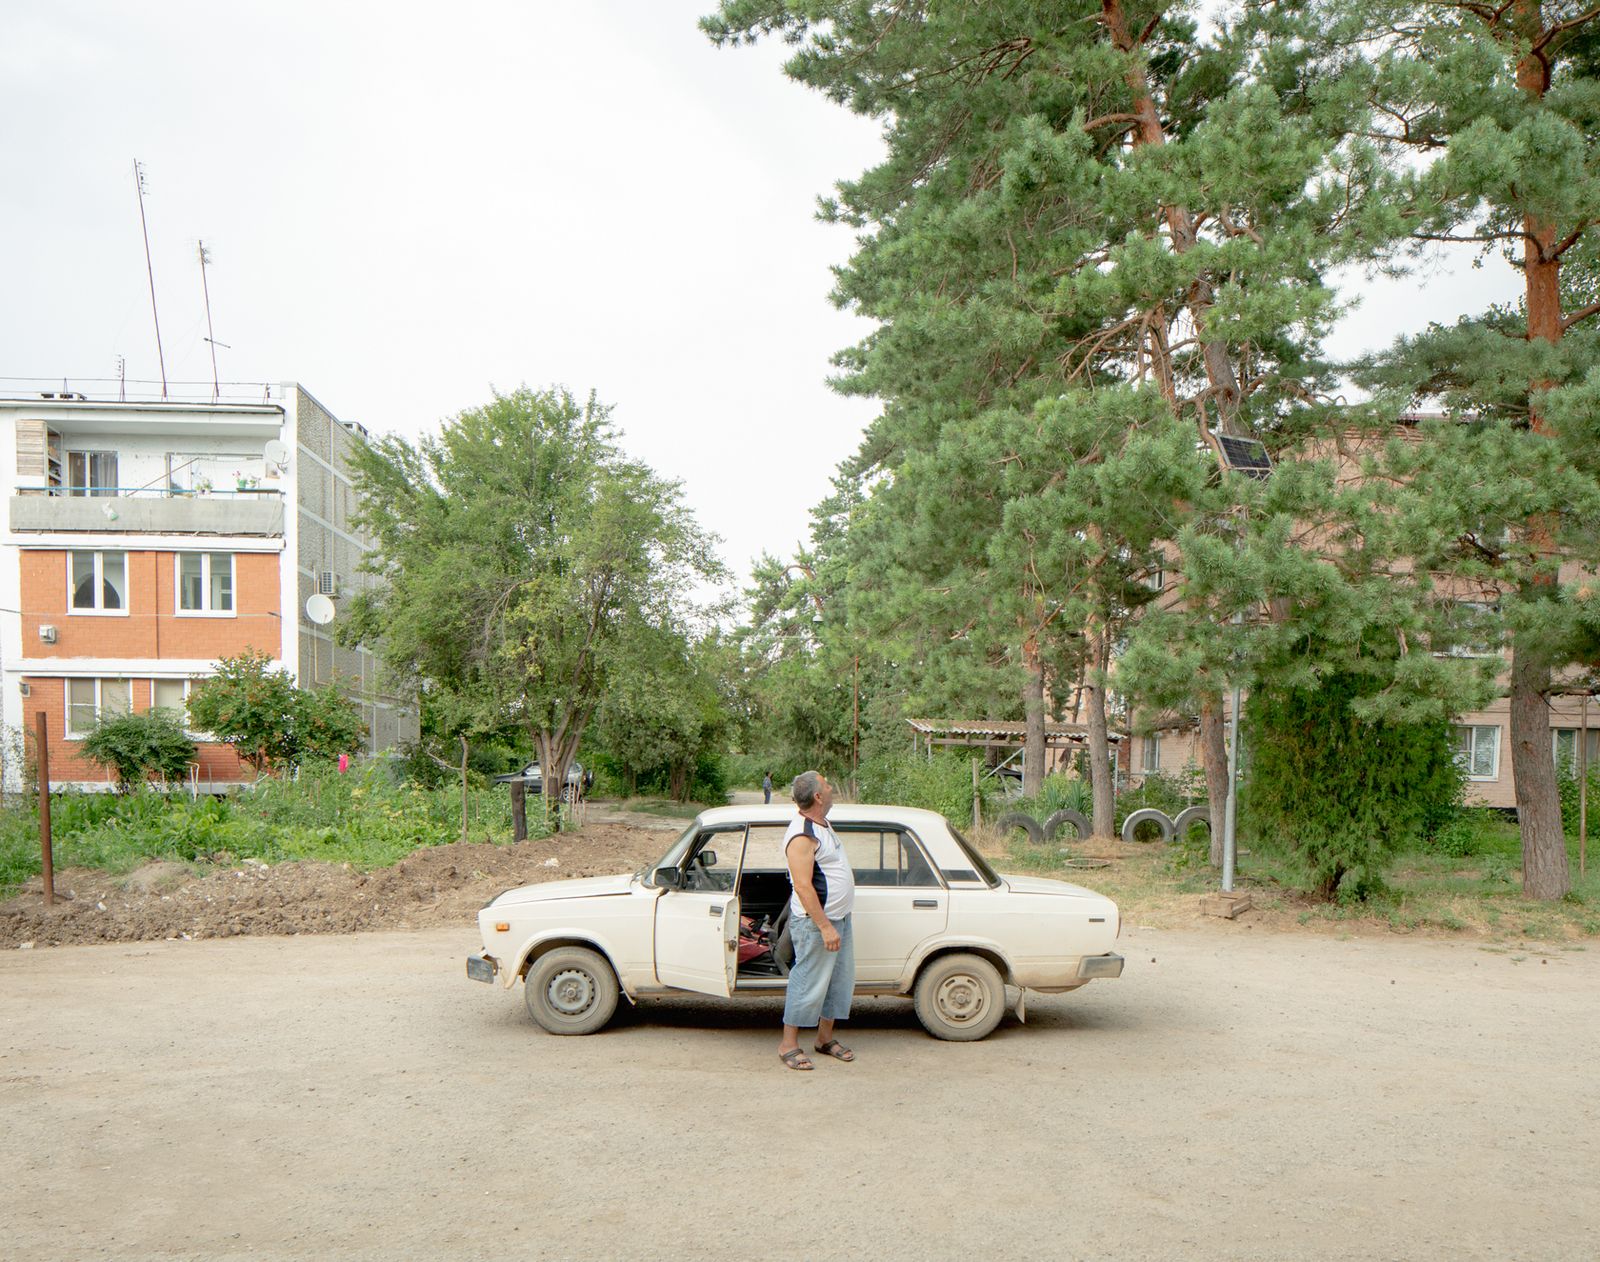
[796,1059]
[835,1049]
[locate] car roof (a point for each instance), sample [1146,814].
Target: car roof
[842,813]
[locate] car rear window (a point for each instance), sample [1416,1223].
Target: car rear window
[980,870]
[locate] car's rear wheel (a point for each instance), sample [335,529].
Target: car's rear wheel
[571,990]
[960,998]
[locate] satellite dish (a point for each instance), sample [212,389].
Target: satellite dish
[277,452]
[319,609]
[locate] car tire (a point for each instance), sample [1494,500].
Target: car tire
[1066,815]
[1029,825]
[1191,815]
[571,990]
[960,998]
[1149,815]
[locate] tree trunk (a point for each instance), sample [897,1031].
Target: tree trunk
[1545,870]
[464,799]
[1033,714]
[1214,759]
[1104,821]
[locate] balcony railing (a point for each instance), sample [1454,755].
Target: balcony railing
[156,510]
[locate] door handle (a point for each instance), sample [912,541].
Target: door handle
[925,902]
[716,911]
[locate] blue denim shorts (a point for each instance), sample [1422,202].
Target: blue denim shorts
[821,982]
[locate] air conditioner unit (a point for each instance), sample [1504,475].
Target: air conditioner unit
[47,633]
[25,689]
[327,583]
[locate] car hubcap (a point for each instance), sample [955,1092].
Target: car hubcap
[571,993]
[960,999]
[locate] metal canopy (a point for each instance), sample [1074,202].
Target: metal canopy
[998,733]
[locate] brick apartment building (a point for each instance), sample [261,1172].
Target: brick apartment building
[145,540]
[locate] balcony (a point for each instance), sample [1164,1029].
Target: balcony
[117,510]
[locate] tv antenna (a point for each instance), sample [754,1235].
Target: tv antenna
[205,257]
[122,379]
[138,183]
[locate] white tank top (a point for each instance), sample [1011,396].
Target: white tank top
[831,876]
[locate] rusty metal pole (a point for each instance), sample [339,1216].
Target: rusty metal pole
[41,734]
[519,811]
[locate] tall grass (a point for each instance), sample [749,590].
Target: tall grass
[363,818]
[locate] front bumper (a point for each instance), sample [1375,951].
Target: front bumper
[482,968]
[1107,965]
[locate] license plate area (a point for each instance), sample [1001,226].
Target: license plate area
[480,969]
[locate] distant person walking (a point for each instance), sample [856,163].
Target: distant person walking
[766,788]
[823,978]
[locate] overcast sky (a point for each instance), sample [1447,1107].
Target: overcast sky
[408,205]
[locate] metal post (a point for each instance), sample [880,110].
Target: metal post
[1583,787]
[41,736]
[977,796]
[855,720]
[1230,811]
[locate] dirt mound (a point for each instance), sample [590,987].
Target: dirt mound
[440,885]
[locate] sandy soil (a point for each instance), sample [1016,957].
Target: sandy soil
[1236,1095]
[441,885]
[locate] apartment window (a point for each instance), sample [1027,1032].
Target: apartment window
[1564,745]
[90,700]
[1152,753]
[205,582]
[91,473]
[1478,752]
[97,582]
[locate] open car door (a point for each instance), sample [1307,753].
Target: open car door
[697,929]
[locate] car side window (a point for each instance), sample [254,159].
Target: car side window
[883,855]
[714,858]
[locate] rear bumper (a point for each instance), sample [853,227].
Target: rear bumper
[1107,965]
[482,968]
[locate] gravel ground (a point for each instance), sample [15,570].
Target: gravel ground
[1236,1094]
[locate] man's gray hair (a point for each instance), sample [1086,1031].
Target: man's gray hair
[805,788]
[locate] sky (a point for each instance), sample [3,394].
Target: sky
[408,207]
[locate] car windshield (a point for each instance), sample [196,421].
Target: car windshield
[980,865]
[672,859]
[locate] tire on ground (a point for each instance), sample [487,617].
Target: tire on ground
[1029,825]
[571,990]
[1149,815]
[960,998]
[1066,816]
[1191,815]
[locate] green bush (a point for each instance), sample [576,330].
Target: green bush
[139,747]
[1340,794]
[942,784]
[1155,792]
[1567,783]
[1468,831]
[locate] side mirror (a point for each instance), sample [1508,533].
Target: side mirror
[707,858]
[667,879]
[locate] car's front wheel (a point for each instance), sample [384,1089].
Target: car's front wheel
[960,997]
[571,990]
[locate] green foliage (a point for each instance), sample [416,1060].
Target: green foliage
[1157,792]
[521,560]
[942,784]
[1465,832]
[1567,781]
[362,818]
[271,723]
[150,745]
[1340,793]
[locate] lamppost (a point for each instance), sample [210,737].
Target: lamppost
[855,676]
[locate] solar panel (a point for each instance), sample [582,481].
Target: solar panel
[1245,455]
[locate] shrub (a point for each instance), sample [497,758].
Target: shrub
[1467,832]
[942,784]
[139,747]
[1339,793]
[269,721]
[1567,783]
[1155,791]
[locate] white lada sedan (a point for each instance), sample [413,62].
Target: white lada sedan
[932,921]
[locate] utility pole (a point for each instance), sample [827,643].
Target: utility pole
[138,183]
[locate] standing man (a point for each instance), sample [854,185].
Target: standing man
[823,978]
[766,788]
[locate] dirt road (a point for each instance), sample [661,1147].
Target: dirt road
[1234,1095]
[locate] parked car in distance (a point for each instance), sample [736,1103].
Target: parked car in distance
[933,922]
[579,780]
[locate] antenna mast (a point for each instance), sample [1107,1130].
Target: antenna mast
[216,388]
[122,379]
[138,183]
